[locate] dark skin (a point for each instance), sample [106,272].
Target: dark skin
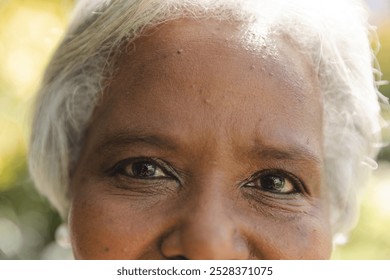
[204,146]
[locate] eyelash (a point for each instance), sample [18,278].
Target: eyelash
[119,168]
[297,184]
[168,171]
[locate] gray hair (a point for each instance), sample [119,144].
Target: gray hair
[333,34]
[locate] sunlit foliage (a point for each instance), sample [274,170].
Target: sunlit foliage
[29,32]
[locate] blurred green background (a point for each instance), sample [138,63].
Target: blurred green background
[29,32]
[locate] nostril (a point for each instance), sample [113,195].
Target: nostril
[179,257]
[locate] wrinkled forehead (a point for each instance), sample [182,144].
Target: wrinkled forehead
[186,71]
[181,54]
[261,23]
[191,40]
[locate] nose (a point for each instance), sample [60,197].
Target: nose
[207,230]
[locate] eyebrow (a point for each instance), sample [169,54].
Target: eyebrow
[123,139]
[265,151]
[291,153]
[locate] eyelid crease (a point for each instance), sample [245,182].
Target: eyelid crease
[265,151]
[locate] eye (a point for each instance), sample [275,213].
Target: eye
[275,181]
[142,169]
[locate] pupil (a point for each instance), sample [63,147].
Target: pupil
[143,169]
[272,182]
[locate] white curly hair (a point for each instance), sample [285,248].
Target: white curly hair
[335,36]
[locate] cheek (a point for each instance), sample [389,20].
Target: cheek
[107,228]
[306,237]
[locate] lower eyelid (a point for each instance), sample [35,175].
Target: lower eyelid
[292,179]
[142,188]
[276,205]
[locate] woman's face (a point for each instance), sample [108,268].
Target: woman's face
[206,145]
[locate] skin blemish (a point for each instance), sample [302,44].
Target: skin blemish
[179,51]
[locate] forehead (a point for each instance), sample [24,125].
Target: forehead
[193,42]
[211,76]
